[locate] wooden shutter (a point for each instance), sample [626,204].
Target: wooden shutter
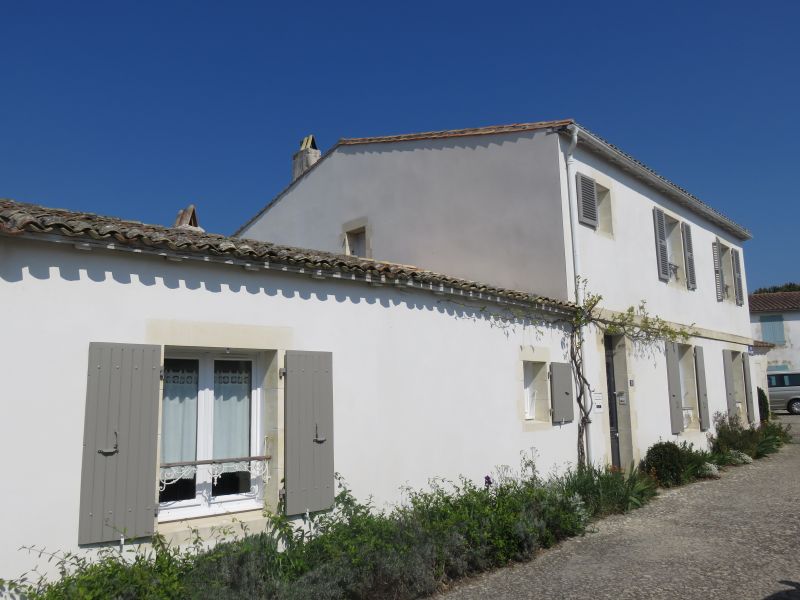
[118,477]
[662,255]
[561,395]
[737,277]
[587,200]
[748,392]
[688,256]
[309,476]
[702,388]
[730,392]
[719,277]
[674,388]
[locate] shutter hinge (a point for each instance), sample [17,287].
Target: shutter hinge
[161,374]
[281,372]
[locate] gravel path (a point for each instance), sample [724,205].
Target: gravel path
[737,537]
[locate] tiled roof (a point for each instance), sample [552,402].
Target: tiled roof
[775,302]
[585,136]
[762,344]
[451,133]
[17,218]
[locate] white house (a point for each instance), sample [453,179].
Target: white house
[183,379]
[530,206]
[775,318]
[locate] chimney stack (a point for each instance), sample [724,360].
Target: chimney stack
[304,159]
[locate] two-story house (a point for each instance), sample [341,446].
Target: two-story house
[534,206]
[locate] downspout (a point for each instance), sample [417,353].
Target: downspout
[576,257]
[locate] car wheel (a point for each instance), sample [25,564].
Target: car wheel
[794,406]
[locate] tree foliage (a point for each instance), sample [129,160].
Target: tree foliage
[785,287]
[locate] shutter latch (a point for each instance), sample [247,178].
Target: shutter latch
[110,451]
[281,372]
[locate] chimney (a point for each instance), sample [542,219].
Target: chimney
[187,219]
[304,159]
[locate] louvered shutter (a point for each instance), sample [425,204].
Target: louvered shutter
[748,392]
[719,278]
[561,396]
[688,256]
[118,477]
[674,388]
[737,277]
[730,392]
[587,200]
[309,476]
[702,388]
[662,255]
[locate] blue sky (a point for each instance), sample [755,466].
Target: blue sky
[136,109]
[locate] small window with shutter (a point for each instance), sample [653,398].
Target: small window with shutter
[536,392]
[738,288]
[356,241]
[587,200]
[662,252]
[688,256]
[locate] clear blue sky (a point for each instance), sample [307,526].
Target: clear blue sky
[136,109]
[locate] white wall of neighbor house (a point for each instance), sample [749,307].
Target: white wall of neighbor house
[618,258]
[484,208]
[784,356]
[422,387]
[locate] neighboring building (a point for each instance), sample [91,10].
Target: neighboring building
[181,376]
[530,206]
[775,318]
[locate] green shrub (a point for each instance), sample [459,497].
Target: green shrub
[763,406]
[755,442]
[354,551]
[671,464]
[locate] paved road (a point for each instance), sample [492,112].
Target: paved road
[737,537]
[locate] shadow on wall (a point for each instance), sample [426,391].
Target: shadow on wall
[101,266]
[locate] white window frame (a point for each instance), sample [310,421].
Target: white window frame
[203,504]
[530,398]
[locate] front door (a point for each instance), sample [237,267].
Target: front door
[613,420]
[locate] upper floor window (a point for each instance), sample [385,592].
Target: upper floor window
[727,273]
[356,242]
[772,329]
[594,204]
[674,250]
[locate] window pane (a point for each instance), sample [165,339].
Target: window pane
[772,380]
[232,384]
[794,379]
[179,416]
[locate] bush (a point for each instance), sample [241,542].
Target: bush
[671,464]
[755,442]
[763,406]
[442,533]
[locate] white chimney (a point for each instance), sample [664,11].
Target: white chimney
[303,160]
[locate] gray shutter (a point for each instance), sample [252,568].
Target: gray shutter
[702,388]
[309,476]
[674,388]
[662,255]
[719,278]
[748,393]
[561,395]
[730,392]
[587,200]
[737,277]
[688,256]
[118,477]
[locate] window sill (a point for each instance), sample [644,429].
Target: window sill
[239,523]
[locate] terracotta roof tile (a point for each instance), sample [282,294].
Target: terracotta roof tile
[18,218]
[775,302]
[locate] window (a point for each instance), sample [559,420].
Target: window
[674,250]
[772,329]
[775,381]
[537,400]
[210,435]
[728,273]
[356,242]
[689,396]
[594,204]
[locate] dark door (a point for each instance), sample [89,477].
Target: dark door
[613,422]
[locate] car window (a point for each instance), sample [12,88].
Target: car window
[793,379]
[773,381]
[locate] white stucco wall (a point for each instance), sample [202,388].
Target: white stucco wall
[422,387]
[786,356]
[622,266]
[484,208]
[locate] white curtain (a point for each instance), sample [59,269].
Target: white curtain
[232,385]
[179,415]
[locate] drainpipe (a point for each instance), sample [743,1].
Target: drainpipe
[576,257]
